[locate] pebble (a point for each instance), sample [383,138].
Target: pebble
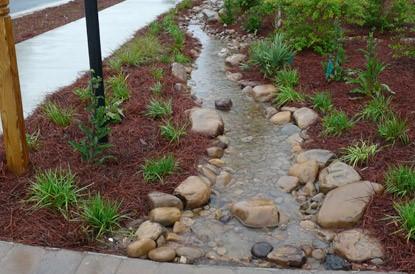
[261,249]
[162,254]
[334,262]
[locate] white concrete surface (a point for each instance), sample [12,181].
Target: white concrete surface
[19,8]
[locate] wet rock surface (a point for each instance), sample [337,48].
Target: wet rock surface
[256,213]
[287,256]
[261,250]
[206,121]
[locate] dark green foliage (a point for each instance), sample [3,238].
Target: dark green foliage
[228,16]
[335,123]
[393,129]
[400,180]
[406,218]
[387,15]
[322,102]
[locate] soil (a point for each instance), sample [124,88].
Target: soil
[30,25]
[134,140]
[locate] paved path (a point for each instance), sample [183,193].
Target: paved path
[25,5]
[23,259]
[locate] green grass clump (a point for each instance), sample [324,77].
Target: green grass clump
[181,58]
[159,109]
[394,129]
[157,73]
[184,4]
[336,123]
[287,94]
[287,78]
[58,115]
[400,180]
[359,153]
[406,218]
[55,189]
[83,93]
[322,102]
[119,87]
[154,28]
[157,88]
[376,109]
[171,132]
[100,215]
[156,169]
[32,140]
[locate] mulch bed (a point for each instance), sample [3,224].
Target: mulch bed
[134,140]
[30,25]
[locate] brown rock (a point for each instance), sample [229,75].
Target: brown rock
[256,213]
[288,183]
[263,93]
[166,216]
[281,118]
[140,248]
[206,121]
[215,152]
[305,172]
[160,199]
[180,228]
[287,255]
[162,254]
[305,117]
[194,191]
[337,174]
[149,230]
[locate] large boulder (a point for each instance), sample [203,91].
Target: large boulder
[356,246]
[322,156]
[344,206]
[306,172]
[287,256]
[194,191]
[305,117]
[160,199]
[179,71]
[206,121]
[166,216]
[337,174]
[235,59]
[149,230]
[263,93]
[256,212]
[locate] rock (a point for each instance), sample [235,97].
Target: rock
[256,212]
[333,262]
[140,248]
[356,246]
[247,90]
[318,254]
[161,241]
[308,225]
[173,237]
[235,60]
[305,172]
[263,93]
[287,108]
[290,129]
[287,255]
[206,121]
[309,189]
[180,87]
[261,250]
[344,206]
[224,178]
[223,104]
[322,156]
[160,199]
[295,139]
[191,253]
[180,228]
[270,111]
[149,230]
[215,152]
[281,118]
[305,117]
[194,191]
[166,216]
[217,162]
[234,77]
[208,176]
[337,174]
[288,183]
[162,254]
[210,15]
[179,71]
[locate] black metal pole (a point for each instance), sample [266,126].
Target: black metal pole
[94,47]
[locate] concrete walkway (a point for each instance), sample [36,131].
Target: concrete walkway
[23,259]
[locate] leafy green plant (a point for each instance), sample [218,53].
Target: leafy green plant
[157,73]
[406,218]
[113,111]
[287,77]
[157,88]
[55,189]
[83,93]
[387,15]
[183,5]
[181,58]
[33,141]
[156,169]
[228,16]
[359,153]
[247,4]
[394,129]
[177,34]
[400,180]
[58,115]
[333,68]
[403,48]
[171,132]
[119,87]
[287,94]
[336,122]
[154,28]
[377,109]
[100,215]
[271,55]
[159,109]
[322,102]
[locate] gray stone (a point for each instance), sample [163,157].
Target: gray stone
[263,93]
[191,253]
[223,104]
[290,129]
[287,255]
[224,178]
[59,261]
[194,191]
[322,156]
[305,117]
[337,174]
[288,183]
[210,15]
[162,254]
[270,111]
[261,250]
[160,199]
[21,259]
[179,71]
[234,77]
[334,262]
[235,59]
[207,122]
[149,230]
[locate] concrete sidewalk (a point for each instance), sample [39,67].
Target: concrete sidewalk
[24,259]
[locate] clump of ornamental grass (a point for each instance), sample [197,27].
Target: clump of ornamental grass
[171,132]
[157,168]
[287,78]
[119,87]
[181,58]
[406,218]
[58,115]
[322,102]
[33,140]
[159,109]
[287,94]
[335,123]
[157,73]
[376,109]
[157,88]
[400,180]
[393,129]
[359,153]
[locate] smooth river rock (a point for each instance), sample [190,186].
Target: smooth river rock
[261,250]
[287,256]
[166,216]
[160,199]
[306,172]
[194,191]
[223,104]
[334,262]
[149,230]
[191,253]
[281,118]
[256,212]
[344,206]
[288,183]
[140,248]
[305,117]
[162,254]
[263,93]
[179,71]
[235,59]
[322,156]
[206,121]
[337,174]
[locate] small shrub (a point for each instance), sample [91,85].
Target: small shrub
[55,189]
[406,218]
[83,93]
[159,109]
[335,123]
[157,73]
[113,111]
[322,102]
[287,78]
[255,14]
[157,88]
[58,115]
[181,58]
[376,109]
[32,140]
[271,55]
[247,4]
[154,28]
[400,180]
[333,68]
[100,215]
[287,94]
[403,48]
[359,153]
[119,87]
[394,129]
[387,15]
[177,34]
[156,169]
[228,16]
[183,5]
[172,132]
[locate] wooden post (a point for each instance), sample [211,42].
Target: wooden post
[11,109]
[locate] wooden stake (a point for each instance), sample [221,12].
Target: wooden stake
[11,109]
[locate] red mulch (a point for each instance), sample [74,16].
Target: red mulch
[135,139]
[28,26]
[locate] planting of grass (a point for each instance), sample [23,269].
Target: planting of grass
[32,140]
[185,4]
[58,115]
[159,109]
[181,58]
[176,33]
[83,93]
[406,218]
[322,102]
[157,73]
[359,153]
[171,132]
[158,168]
[287,94]
[400,180]
[154,28]
[54,189]
[119,88]
[394,129]
[100,215]
[376,109]
[156,88]
[287,78]
[336,123]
